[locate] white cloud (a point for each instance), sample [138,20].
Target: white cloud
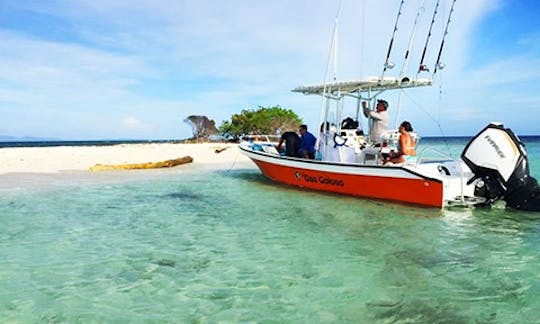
[132,122]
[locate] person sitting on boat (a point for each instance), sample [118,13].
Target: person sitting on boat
[406,147]
[292,144]
[307,143]
[379,120]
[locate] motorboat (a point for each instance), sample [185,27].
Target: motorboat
[493,165]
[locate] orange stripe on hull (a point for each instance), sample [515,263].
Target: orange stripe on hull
[423,192]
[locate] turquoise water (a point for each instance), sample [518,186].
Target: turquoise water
[231,246]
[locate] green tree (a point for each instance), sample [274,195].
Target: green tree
[274,120]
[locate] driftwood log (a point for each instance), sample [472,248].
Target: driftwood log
[147,165]
[220,149]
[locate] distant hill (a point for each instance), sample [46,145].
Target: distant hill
[6,138]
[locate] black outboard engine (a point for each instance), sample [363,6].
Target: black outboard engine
[498,158]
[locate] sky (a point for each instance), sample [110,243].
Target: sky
[128,69]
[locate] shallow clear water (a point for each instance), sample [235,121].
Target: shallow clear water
[232,246]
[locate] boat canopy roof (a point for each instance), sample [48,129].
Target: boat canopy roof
[358,86]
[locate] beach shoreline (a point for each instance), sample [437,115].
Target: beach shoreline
[62,159]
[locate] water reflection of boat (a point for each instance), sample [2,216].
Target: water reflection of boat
[493,165]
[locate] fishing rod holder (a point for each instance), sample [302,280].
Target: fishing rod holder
[389,65]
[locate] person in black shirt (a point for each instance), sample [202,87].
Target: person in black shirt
[292,144]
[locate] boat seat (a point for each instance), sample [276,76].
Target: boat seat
[370,155]
[270,149]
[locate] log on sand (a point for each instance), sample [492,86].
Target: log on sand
[220,149]
[148,165]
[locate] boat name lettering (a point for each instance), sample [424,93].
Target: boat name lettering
[495,146]
[309,178]
[323,180]
[330,181]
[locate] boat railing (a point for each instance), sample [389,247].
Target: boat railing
[442,154]
[262,138]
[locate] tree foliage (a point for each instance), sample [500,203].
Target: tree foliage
[274,120]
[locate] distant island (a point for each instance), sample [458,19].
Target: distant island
[6,138]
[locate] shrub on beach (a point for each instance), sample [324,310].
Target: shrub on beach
[272,121]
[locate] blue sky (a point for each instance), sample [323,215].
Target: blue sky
[100,69]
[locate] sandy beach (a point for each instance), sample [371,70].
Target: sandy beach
[82,158]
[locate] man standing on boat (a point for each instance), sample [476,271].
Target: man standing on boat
[307,143]
[379,120]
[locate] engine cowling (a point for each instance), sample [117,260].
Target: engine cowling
[498,158]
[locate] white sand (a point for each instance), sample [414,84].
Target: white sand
[81,158]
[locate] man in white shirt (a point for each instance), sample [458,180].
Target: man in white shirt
[379,120]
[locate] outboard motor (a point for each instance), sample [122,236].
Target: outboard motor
[498,158]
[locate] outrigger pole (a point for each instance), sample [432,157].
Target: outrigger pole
[421,66]
[333,49]
[438,64]
[387,63]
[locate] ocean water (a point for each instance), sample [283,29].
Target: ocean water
[231,246]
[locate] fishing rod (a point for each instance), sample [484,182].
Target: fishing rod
[438,64]
[405,79]
[411,40]
[421,66]
[387,63]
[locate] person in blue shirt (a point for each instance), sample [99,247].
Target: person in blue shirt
[307,143]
